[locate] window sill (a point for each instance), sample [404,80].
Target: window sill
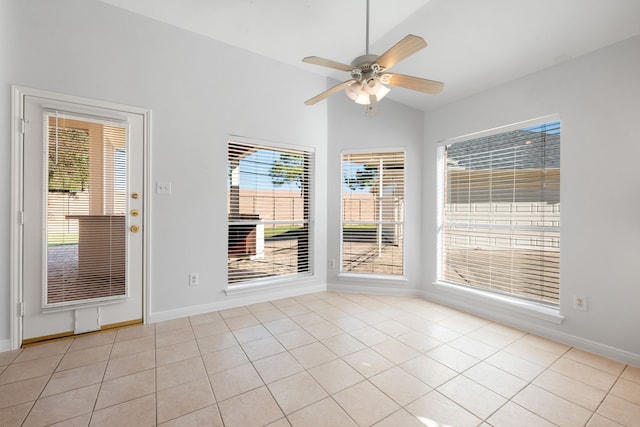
[501,301]
[356,277]
[267,284]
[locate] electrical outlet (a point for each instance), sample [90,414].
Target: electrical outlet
[163,187]
[194,279]
[332,263]
[579,303]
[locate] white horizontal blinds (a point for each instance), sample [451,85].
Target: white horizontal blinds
[501,228]
[373,213]
[85,166]
[268,210]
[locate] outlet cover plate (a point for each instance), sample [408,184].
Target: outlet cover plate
[194,279]
[163,187]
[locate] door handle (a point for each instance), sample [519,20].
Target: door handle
[135,212]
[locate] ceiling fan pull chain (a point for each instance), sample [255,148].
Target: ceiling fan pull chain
[371,109]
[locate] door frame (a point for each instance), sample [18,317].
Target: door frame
[17,200]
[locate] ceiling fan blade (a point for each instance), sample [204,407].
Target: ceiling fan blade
[316,60]
[404,48]
[329,92]
[415,83]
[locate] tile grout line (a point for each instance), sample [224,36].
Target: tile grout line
[609,393]
[48,380]
[313,306]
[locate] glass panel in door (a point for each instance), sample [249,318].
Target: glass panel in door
[86,204]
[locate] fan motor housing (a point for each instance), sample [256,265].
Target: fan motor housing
[364,62]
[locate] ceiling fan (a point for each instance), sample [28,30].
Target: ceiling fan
[369,73]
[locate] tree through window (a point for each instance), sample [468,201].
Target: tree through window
[268,206]
[373,213]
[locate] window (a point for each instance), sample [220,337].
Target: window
[373,213]
[85,211]
[499,213]
[269,212]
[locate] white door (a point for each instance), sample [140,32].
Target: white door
[82,263]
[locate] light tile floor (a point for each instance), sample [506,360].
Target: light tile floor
[324,359]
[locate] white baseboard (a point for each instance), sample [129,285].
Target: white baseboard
[5,345]
[521,323]
[240,300]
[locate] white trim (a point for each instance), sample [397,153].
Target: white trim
[252,285]
[146,216]
[275,282]
[267,143]
[236,302]
[499,301]
[342,275]
[15,276]
[17,101]
[500,129]
[527,308]
[89,103]
[78,305]
[362,277]
[375,290]
[374,150]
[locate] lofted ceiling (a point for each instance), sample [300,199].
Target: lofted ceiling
[473,45]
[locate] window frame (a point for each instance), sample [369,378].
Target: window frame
[346,275]
[499,299]
[246,285]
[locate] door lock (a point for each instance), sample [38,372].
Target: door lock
[134,228]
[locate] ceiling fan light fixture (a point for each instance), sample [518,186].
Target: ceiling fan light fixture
[363,97]
[353,91]
[371,85]
[382,92]
[357,94]
[361,93]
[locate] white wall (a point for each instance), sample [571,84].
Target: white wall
[598,99]
[200,91]
[395,125]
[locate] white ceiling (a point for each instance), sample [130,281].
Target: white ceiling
[473,45]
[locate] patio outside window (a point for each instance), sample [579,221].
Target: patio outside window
[372,229]
[269,213]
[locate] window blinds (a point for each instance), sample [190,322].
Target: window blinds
[269,212]
[373,213]
[500,213]
[85,164]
